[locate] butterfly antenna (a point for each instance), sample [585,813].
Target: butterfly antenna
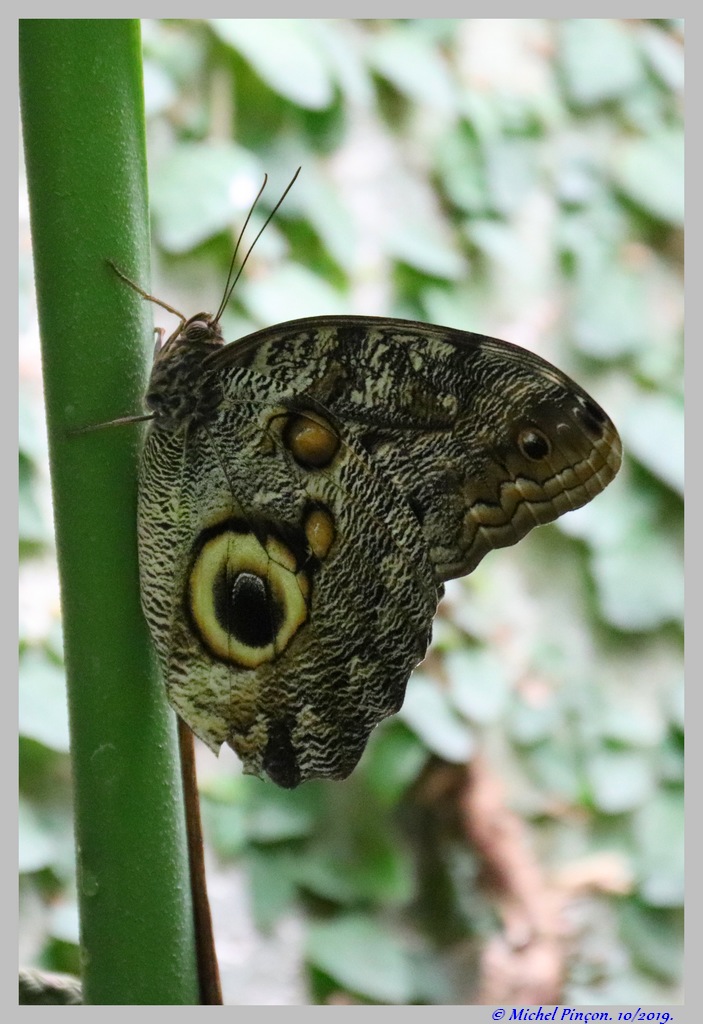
[229,288]
[228,291]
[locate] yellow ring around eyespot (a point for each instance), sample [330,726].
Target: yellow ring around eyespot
[275,565]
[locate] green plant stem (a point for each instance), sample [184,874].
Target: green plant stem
[82,113]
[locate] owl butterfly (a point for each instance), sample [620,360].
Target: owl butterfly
[305,492]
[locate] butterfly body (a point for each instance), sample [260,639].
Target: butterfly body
[304,493]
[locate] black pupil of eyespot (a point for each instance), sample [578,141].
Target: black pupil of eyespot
[245,609]
[534,445]
[591,418]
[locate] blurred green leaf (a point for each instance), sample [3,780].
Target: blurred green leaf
[421,242]
[393,760]
[32,434]
[478,684]
[654,938]
[428,713]
[327,214]
[343,49]
[593,237]
[659,831]
[498,242]
[610,316]
[552,766]
[675,704]
[628,717]
[273,888]
[198,190]
[510,173]
[288,293]
[414,66]
[646,107]
[159,89]
[529,723]
[224,827]
[598,58]
[322,873]
[39,846]
[275,814]
[43,709]
[25,281]
[606,523]
[412,232]
[636,564]
[364,957]
[34,531]
[64,924]
[620,780]
[671,762]
[665,56]
[459,307]
[650,173]
[462,172]
[286,53]
[640,582]
[372,868]
[653,432]
[178,50]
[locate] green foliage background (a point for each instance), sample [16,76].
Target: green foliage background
[517,178]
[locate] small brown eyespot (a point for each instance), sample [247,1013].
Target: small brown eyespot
[320,532]
[312,442]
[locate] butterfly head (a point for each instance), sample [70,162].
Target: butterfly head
[202,329]
[179,391]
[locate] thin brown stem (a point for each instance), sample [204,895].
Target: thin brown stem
[208,970]
[525,964]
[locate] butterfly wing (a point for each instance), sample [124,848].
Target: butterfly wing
[305,491]
[484,439]
[299,593]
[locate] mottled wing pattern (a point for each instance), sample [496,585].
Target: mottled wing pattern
[357,576]
[303,494]
[485,439]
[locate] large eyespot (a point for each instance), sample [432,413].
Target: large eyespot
[533,444]
[246,599]
[310,439]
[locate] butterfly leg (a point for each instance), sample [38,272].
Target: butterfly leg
[145,295]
